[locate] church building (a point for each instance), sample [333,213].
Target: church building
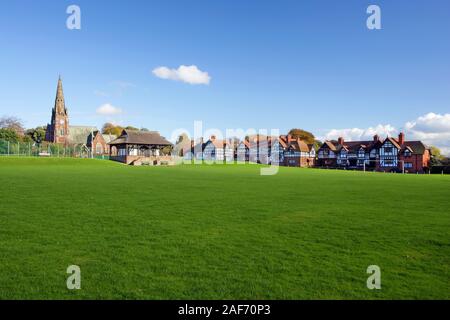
[59,131]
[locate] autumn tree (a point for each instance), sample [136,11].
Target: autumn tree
[131,128]
[304,135]
[436,156]
[109,128]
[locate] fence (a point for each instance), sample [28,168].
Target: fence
[31,149]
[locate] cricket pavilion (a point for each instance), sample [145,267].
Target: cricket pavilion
[141,148]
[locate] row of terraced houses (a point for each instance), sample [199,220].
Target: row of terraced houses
[390,154]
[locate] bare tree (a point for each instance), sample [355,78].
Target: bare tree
[12,123]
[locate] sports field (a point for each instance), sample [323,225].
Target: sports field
[219,232]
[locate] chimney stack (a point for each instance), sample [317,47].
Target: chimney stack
[289,138]
[341,141]
[401,138]
[213,138]
[376,138]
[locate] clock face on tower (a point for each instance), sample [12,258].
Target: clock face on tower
[61,121]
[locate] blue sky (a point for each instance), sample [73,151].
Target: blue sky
[311,64]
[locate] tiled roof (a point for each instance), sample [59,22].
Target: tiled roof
[332,145]
[300,145]
[109,137]
[416,147]
[80,134]
[140,137]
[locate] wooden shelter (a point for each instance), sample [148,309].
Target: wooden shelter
[141,148]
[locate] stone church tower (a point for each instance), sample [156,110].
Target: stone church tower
[58,129]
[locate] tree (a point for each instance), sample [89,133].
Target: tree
[145,129]
[131,128]
[36,134]
[109,128]
[304,135]
[9,135]
[317,144]
[436,157]
[27,139]
[12,123]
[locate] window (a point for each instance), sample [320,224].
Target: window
[361,153]
[388,150]
[408,165]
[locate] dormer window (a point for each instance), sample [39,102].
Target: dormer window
[407,153]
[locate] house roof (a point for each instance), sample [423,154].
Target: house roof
[330,144]
[109,137]
[218,143]
[354,146]
[394,142]
[140,137]
[80,134]
[245,143]
[299,145]
[416,147]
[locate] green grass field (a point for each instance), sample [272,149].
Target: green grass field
[219,232]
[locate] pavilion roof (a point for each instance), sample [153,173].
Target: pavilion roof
[140,137]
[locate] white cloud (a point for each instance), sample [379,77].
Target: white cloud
[108,110]
[187,74]
[430,123]
[432,129]
[361,134]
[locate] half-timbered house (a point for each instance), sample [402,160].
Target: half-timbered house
[218,150]
[389,155]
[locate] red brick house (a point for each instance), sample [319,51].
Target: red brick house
[399,154]
[99,142]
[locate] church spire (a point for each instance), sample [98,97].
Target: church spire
[58,130]
[60,107]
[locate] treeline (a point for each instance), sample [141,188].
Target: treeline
[13,130]
[109,128]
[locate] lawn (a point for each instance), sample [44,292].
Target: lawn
[219,232]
